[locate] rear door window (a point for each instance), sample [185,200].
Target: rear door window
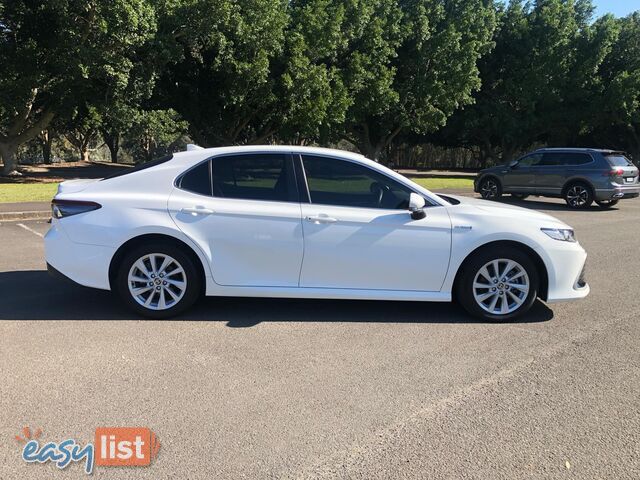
[565,159]
[262,176]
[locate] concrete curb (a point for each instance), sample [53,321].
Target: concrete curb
[37,215]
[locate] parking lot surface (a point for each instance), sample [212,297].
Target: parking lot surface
[260,388]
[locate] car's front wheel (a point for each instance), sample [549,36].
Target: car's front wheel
[498,285]
[158,280]
[490,188]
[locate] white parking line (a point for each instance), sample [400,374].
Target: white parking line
[30,230]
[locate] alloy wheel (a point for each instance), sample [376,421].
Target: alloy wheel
[489,189]
[501,286]
[577,196]
[157,281]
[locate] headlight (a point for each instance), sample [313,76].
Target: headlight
[562,234]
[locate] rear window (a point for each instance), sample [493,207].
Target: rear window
[262,176]
[618,160]
[142,166]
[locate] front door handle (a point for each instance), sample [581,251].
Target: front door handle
[317,219]
[197,211]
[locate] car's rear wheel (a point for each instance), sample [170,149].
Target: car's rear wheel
[519,196]
[498,286]
[158,280]
[490,188]
[578,196]
[605,204]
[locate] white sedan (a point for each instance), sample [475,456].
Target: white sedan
[297,222]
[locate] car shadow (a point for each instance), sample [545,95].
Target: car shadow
[550,205]
[34,295]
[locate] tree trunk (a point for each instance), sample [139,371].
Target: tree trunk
[45,142]
[113,143]
[8,154]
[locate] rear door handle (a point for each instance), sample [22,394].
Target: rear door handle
[317,219]
[197,211]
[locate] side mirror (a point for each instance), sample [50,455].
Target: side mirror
[513,163]
[416,206]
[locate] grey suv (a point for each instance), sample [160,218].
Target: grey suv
[579,175]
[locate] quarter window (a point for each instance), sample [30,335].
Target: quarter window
[253,177]
[338,182]
[197,180]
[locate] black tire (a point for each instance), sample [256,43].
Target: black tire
[519,196]
[578,196]
[191,274]
[606,204]
[474,264]
[490,188]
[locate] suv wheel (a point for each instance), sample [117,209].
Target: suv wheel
[158,281]
[490,189]
[578,195]
[605,204]
[498,286]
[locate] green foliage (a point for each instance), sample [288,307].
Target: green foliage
[494,76]
[55,54]
[155,133]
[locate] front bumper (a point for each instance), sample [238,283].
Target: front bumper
[566,272]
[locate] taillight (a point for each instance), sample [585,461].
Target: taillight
[66,208]
[614,173]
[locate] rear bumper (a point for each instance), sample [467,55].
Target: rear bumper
[84,264]
[615,192]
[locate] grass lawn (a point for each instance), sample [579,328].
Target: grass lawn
[445,182]
[27,192]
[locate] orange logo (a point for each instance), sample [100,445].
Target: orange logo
[126,446]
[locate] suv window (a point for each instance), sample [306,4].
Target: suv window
[618,160]
[530,160]
[562,159]
[262,176]
[197,180]
[338,182]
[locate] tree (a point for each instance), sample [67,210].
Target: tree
[616,119]
[219,56]
[55,53]
[411,68]
[538,81]
[155,133]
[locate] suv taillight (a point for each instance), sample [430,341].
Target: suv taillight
[67,208]
[618,172]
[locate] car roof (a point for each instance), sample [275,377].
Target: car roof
[205,152]
[576,149]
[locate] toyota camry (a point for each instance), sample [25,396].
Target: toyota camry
[301,222]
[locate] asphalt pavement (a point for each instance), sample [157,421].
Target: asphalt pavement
[260,388]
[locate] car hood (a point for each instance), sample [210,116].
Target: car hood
[489,207]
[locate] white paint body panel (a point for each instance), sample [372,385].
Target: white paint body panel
[375,249]
[268,249]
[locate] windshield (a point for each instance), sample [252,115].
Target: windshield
[618,160]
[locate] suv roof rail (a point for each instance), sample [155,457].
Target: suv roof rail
[193,146]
